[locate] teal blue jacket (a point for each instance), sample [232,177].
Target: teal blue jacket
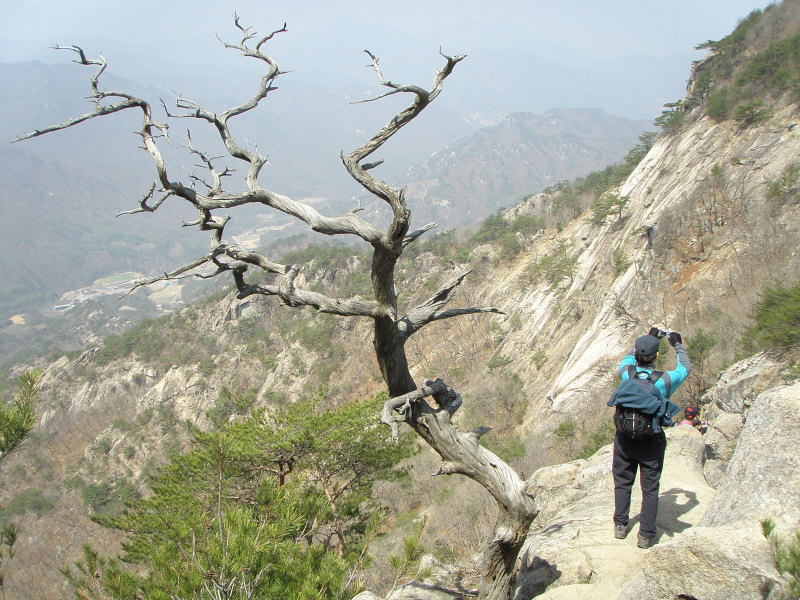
[670,380]
[666,385]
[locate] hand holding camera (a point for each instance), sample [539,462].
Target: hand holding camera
[673,337]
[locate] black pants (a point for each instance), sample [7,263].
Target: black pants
[646,455]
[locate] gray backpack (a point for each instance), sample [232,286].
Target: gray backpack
[632,422]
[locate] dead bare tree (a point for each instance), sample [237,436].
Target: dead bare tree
[461,453]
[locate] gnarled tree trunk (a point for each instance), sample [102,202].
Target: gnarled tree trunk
[461,453]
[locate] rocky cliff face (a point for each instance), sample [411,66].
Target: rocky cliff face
[701,237]
[703,271]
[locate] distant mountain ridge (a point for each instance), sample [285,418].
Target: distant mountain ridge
[524,74]
[499,165]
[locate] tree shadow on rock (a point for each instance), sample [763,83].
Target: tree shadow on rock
[535,576]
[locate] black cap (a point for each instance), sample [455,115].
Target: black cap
[647,345]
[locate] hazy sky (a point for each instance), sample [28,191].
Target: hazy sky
[523,56]
[602,29]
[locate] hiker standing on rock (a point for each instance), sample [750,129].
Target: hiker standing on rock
[642,410]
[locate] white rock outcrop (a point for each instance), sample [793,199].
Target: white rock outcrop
[727,404]
[763,478]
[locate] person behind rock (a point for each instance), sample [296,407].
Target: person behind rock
[690,416]
[646,454]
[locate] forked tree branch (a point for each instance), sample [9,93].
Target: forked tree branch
[460,452]
[182,272]
[395,198]
[291,296]
[431,309]
[97,95]
[144,206]
[208,162]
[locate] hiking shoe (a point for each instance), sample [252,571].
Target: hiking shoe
[620,531]
[644,542]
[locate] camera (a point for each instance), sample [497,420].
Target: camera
[662,333]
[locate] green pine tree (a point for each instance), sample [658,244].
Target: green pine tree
[777,320]
[17,420]
[18,417]
[271,507]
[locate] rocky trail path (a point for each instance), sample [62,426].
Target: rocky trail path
[578,546]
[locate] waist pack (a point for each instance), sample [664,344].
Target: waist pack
[637,391]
